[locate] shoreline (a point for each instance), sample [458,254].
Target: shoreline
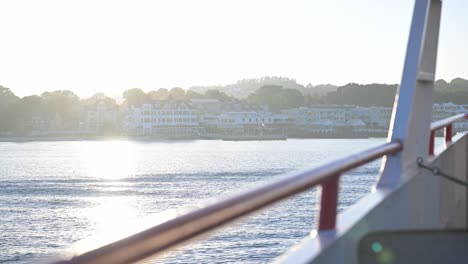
[147,139]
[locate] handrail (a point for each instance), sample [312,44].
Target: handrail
[447,121]
[447,125]
[159,238]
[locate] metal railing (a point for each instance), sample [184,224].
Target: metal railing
[447,124]
[159,238]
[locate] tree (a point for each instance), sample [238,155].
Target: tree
[65,104]
[177,93]
[247,86]
[459,84]
[31,105]
[441,85]
[135,97]
[25,110]
[277,98]
[193,95]
[215,94]
[363,95]
[160,94]
[8,101]
[99,97]
[292,98]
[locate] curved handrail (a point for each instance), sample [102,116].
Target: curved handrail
[159,238]
[447,121]
[447,125]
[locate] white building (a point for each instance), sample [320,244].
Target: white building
[318,115]
[381,116]
[99,116]
[444,110]
[299,116]
[357,125]
[164,119]
[449,107]
[245,119]
[251,123]
[324,113]
[207,106]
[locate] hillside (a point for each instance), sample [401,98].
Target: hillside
[243,88]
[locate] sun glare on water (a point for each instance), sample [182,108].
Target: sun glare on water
[115,218]
[111,160]
[112,216]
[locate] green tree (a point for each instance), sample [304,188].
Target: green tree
[363,95]
[459,84]
[292,98]
[277,98]
[99,97]
[135,97]
[8,102]
[177,93]
[65,104]
[216,94]
[193,95]
[160,94]
[25,110]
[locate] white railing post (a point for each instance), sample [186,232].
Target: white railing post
[412,111]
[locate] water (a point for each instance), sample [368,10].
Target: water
[58,197]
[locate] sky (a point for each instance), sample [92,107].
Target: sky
[111,45]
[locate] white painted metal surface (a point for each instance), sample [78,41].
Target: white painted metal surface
[424,201]
[411,116]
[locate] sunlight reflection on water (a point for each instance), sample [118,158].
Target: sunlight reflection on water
[108,159]
[55,194]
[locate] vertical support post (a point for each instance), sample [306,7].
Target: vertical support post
[448,133]
[431,142]
[328,204]
[411,117]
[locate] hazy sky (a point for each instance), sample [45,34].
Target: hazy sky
[110,46]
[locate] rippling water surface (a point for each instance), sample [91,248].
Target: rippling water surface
[58,197]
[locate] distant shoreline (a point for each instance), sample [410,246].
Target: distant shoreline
[60,138]
[147,139]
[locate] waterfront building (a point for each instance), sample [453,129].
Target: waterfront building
[357,125]
[99,117]
[163,119]
[444,110]
[299,116]
[207,106]
[333,113]
[379,117]
[241,119]
[449,107]
[242,123]
[210,117]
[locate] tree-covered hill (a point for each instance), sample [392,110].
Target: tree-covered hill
[243,88]
[376,94]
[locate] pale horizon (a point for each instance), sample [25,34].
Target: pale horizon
[112,46]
